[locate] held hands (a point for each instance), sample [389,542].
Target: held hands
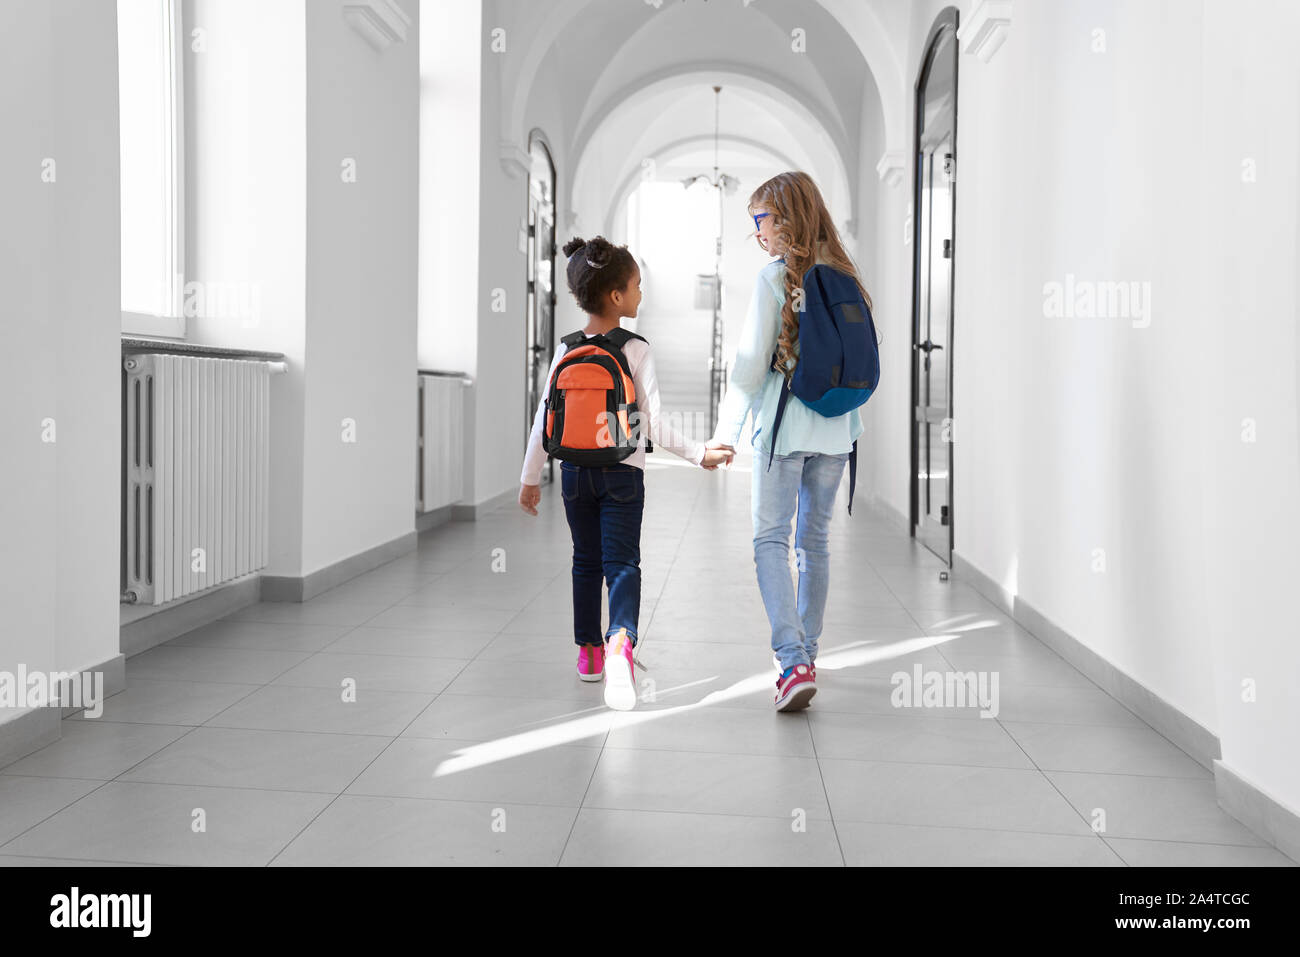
[717,454]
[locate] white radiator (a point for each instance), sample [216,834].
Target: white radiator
[439,476]
[196,453]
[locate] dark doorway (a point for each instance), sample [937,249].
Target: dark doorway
[540,345]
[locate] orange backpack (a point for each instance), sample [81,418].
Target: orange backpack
[591,411]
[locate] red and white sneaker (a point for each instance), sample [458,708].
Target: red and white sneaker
[795,688]
[620,673]
[591,662]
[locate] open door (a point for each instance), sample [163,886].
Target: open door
[935,180]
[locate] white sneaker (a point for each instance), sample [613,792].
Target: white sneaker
[620,673]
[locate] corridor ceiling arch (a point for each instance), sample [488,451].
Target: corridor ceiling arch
[655,111]
[543,24]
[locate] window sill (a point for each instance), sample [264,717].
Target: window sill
[141,324]
[133,343]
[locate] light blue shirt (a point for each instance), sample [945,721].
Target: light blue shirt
[756,387]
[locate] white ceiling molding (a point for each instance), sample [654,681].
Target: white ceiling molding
[380,23]
[890,168]
[986,29]
[514,161]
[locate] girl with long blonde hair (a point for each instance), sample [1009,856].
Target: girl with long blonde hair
[810,452]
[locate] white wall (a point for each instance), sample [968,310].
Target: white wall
[1249,368]
[1075,434]
[499,420]
[280,97]
[85,290]
[59,267]
[362,280]
[499,336]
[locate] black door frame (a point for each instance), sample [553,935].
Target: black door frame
[947,20]
[538,138]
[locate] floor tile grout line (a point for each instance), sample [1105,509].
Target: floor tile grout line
[605,741]
[582,802]
[114,779]
[382,751]
[617,747]
[93,860]
[1124,860]
[677,549]
[55,812]
[650,810]
[575,702]
[1092,686]
[830,808]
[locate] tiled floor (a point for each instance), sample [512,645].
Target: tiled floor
[428,713]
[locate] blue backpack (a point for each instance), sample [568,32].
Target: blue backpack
[839,358]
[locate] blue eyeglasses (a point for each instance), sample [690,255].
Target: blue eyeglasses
[757,224]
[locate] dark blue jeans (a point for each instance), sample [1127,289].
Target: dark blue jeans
[604,506]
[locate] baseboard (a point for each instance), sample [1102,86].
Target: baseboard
[471,513]
[1263,814]
[1199,742]
[1271,820]
[305,587]
[427,521]
[114,672]
[34,728]
[176,618]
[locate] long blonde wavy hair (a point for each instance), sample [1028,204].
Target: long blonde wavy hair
[801,222]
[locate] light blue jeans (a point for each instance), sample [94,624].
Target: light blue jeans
[805,482]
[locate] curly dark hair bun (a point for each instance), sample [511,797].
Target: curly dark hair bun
[596,269]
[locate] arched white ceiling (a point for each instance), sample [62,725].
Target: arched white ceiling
[542,24]
[650,118]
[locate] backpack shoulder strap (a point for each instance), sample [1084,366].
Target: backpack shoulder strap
[618,338]
[621,337]
[573,338]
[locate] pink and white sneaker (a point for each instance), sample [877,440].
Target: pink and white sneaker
[591,662]
[795,688]
[620,673]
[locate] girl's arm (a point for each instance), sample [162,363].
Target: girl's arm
[535,457]
[662,433]
[753,361]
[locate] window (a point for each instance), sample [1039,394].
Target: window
[149,98]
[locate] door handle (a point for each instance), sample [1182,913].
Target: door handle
[927,347]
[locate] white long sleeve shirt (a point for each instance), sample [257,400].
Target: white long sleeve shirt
[662,432]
